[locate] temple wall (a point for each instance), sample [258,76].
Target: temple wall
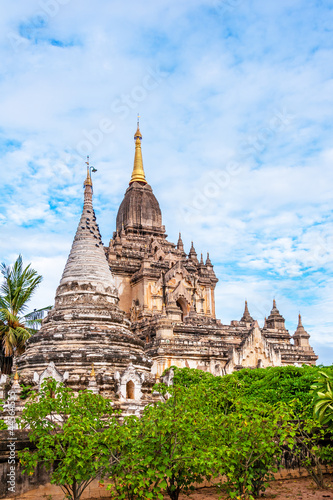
[125,292]
[213,365]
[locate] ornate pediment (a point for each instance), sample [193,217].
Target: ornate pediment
[253,352]
[159,255]
[50,372]
[181,291]
[178,268]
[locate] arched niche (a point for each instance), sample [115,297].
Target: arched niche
[130,390]
[182,304]
[129,383]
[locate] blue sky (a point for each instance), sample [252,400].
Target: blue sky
[236,108]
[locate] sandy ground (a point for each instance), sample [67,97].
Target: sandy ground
[292,489]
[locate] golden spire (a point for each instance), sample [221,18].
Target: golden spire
[16,376]
[88,181]
[92,371]
[138,174]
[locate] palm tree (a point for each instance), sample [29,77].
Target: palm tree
[18,287]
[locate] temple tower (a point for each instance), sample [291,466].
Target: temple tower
[139,212]
[301,337]
[150,271]
[86,324]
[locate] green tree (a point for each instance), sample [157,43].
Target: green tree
[128,471]
[18,286]
[306,441]
[166,450]
[69,434]
[247,446]
[277,404]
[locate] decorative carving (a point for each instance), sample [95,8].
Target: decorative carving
[50,372]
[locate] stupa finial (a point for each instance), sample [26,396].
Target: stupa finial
[299,320]
[88,181]
[138,174]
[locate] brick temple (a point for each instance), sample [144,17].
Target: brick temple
[142,304]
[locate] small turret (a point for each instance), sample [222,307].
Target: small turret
[180,245]
[246,318]
[275,320]
[193,254]
[301,337]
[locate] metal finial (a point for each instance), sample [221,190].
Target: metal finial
[90,168]
[138,174]
[88,181]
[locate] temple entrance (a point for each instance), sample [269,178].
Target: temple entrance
[181,303]
[130,390]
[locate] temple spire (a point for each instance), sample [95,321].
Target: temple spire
[301,336]
[138,174]
[247,318]
[87,261]
[299,321]
[180,245]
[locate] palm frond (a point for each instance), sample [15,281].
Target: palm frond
[17,287]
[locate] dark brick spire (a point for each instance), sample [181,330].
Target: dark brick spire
[247,318]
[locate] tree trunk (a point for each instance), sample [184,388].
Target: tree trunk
[6,363]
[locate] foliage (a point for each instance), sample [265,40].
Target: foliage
[182,441]
[3,425]
[244,437]
[306,441]
[167,449]
[238,426]
[130,476]
[26,391]
[17,288]
[323,399]
[264,385]
[248,444]
[266,396]
[68,432]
